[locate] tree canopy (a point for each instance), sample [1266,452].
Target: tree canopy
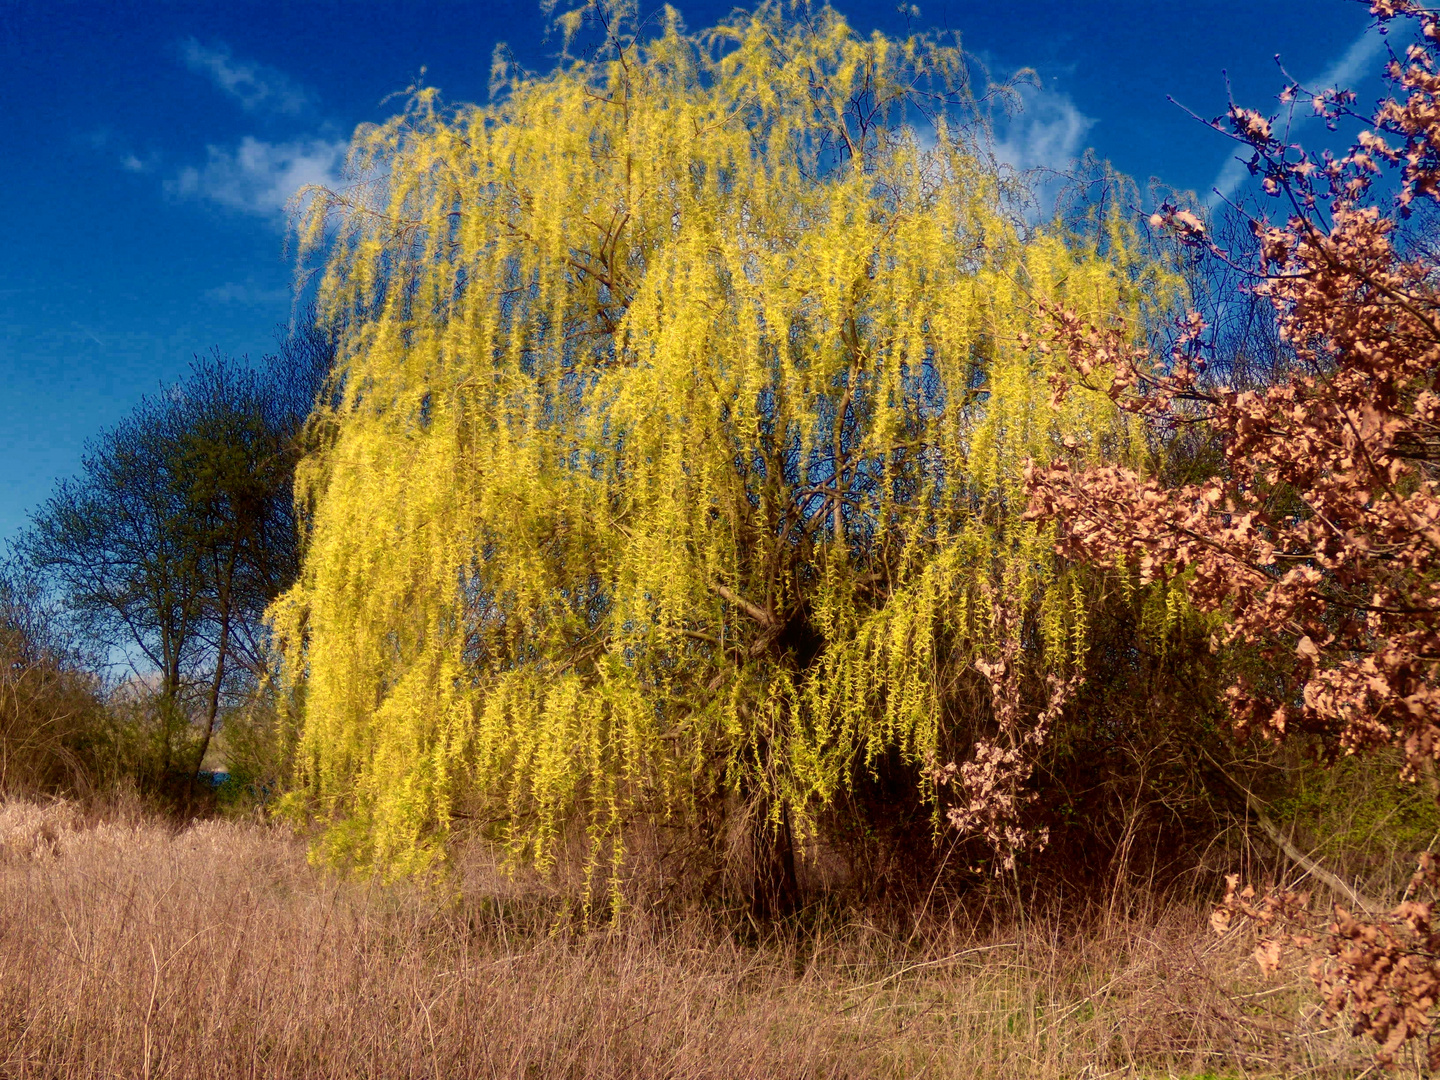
[180,530]
[685,396]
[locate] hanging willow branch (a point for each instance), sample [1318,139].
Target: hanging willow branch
[686,392]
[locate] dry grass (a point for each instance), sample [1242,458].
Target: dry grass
[130,949]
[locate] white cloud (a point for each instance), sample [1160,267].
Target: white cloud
[107,141]
[134,164]
[1042,139]
[1356,62]
[254,86]
[1047,132]
[259,177]
[247,293]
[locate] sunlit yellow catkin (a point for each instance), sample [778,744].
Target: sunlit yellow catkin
[578,551]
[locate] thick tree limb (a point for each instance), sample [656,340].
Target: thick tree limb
[1311,867]
[759,614]
[1337,884]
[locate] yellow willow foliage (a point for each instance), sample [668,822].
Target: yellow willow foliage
[685,401]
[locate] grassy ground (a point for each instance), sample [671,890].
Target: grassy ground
[129,948]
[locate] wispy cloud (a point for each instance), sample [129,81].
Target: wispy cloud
[1043,138]
[132,163]
[106,141]
[247,293]
[255,86]
[259,177]
[1354,64]
[1047,132]
[256,176]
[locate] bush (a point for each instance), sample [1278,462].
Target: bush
[54,729]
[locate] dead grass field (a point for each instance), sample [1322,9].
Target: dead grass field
[131,949]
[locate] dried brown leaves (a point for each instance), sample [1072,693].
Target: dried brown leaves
[1385,969]
[1319,542]
[990,787]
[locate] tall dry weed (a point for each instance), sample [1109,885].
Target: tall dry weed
[131,949]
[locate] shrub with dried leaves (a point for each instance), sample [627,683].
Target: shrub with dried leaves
[1319,542]
[1321,539]
[1383,967]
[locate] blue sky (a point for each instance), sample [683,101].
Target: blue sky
[150,147]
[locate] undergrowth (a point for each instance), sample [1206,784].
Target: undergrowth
[130,946]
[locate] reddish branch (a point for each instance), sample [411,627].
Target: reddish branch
[1320,539]
[1319,542]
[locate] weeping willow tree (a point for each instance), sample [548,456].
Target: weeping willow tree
[685,394]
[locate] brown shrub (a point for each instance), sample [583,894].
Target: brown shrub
[52,722]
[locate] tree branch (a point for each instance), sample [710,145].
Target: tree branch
[759,614]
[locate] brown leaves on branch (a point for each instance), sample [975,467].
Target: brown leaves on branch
[1320,540]
[1318,544]
[1273,915]
[989,788]
[1384,969]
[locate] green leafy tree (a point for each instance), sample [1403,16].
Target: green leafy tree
[180,530]
[685,395]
